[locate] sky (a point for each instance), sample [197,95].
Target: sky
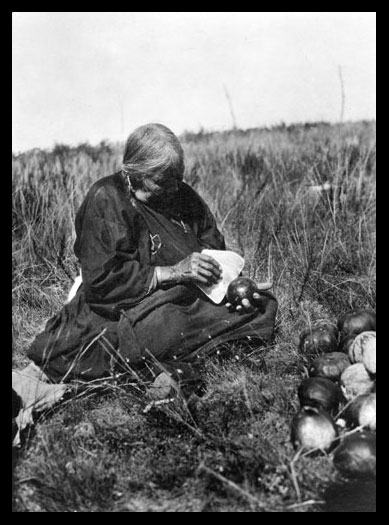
[90,76]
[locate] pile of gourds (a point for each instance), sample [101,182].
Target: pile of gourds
[337,412]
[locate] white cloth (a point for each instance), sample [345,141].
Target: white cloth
[232,264]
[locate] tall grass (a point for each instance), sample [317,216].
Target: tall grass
[257,184]
[230,449]
[320,246]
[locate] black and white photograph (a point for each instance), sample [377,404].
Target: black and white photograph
[194,261]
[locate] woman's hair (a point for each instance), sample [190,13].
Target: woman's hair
[153,152]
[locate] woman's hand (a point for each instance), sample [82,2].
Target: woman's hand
[198,268]
[246,306]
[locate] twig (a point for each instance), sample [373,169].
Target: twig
[80,354]
[353,431]
[337,438]
[343,409]
[234,126]
[87,451]
[233,486]
[304,503]
[28,479]
[157,403]
[293,474]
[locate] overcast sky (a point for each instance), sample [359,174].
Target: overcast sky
[85,77]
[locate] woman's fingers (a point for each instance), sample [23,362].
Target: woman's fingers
[210,263]
[209,276]
[197,277]
[210,269]
[239,309]
[204,273]
[199,268]
[264,286]
[247,305]
[209,259]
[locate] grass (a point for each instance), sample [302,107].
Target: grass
[229,448]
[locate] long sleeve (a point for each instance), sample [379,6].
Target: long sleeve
[113,254]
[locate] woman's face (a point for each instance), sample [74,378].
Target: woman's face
[158,191]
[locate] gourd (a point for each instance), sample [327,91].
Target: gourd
[355,456]
[357,321]
[345,343]
[317,340]
[369,356]
[356,380]
[241,288]
[368,412]
[313,428]
[362,411]
[363,342]
[330,365]
[320,392]
[328,325]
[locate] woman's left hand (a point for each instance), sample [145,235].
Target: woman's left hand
[246,306]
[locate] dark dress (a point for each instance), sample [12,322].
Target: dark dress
[114,320]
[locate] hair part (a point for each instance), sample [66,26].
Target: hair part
[152,151]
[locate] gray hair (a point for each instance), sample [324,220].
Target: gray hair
[152,151]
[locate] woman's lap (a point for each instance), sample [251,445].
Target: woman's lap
[77,343]
[175,332]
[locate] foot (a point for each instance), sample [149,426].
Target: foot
[34,395]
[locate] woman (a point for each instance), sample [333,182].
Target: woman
[140,233]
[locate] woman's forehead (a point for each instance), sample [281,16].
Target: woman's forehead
[165,176]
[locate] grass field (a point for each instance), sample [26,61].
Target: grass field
[228,449]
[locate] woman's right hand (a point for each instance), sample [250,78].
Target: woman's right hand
[198,268]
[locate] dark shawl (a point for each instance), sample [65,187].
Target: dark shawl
[113,320]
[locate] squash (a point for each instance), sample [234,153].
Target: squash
[330,365]
[362,411]
[320,392]
[361,343]
[369,356]
[345,343]
[328,325]
[241,288]
[368,412]
[316,340]
[356,380]
[313,428]
[357,321]
[355,456]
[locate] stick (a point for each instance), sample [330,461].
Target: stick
[234,126]
[231,485]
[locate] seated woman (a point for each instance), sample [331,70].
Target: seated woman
[140,233]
